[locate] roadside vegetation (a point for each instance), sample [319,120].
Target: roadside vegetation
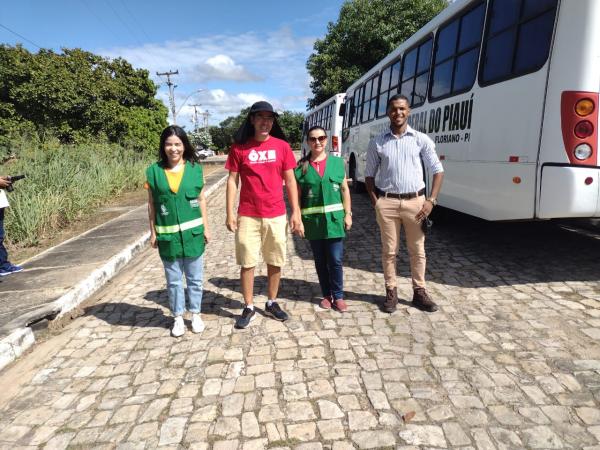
[81,127]
[64,182]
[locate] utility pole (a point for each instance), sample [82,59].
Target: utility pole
[205,116]
[195,118]
[171,92]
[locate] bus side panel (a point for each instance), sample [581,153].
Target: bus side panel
[491,193]
[504,126]
[574,66]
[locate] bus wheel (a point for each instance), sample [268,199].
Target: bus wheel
[357,186]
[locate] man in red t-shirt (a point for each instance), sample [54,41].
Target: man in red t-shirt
[263,160]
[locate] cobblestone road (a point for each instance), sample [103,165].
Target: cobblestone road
[511,360]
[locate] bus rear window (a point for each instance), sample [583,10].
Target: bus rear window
[518,38]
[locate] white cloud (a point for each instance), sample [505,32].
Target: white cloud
[276,59]
[220,104]
[221,67]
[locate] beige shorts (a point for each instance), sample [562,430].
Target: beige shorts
[267,235]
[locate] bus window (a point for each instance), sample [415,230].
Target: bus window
[374,90]
[518,38]
[348,112]
[457,53]
[357,105]
[388,86]
[366,100]
[415,73]
[384,86]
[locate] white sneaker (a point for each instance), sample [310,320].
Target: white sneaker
[178,327]
[197,324]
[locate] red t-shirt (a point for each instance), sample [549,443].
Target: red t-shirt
[261,166]
[319,166]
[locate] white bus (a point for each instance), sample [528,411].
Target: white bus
[326,115]
[508,91]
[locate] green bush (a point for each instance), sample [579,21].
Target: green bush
[63,183]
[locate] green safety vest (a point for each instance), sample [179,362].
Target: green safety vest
[178,218]
[321,200]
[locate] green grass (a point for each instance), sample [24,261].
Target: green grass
[63,183]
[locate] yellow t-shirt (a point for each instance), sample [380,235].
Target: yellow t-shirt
[173,178]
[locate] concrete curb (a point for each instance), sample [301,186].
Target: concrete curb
[17,342]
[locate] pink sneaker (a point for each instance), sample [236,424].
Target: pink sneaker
[326,302]
[340,305]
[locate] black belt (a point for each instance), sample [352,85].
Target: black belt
[406,196]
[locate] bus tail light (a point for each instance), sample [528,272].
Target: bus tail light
[334,143]
[584,107]
[580,137]
[583,152]
[584,129]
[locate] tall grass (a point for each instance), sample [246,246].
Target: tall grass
[63,183]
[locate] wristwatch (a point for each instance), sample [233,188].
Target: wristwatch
[348,213]
[433,201]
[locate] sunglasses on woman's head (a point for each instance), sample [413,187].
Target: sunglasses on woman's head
[317,138]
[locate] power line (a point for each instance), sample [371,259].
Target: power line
[124,23]
[21,36]
[138,24]
[98,18]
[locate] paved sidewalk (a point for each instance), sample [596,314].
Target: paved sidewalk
[60,278]
[510,361]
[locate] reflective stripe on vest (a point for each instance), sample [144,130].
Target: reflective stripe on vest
[323,209]
[179,227]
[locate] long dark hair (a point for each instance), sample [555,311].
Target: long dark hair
[304,161]
[246,131]
[189,154]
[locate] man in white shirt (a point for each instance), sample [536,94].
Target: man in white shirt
[394,181]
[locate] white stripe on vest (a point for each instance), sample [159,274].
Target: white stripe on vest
[323,209]
[179,227]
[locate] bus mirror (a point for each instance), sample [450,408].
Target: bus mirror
[342,109]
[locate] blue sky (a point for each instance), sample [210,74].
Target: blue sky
[237,51]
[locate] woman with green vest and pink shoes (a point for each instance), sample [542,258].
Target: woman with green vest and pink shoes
[326,215]
[178,223]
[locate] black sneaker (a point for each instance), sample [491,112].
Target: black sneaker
[244,320]
[276,312]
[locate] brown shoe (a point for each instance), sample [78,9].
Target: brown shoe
[391,300]
[422,301]
[340,305]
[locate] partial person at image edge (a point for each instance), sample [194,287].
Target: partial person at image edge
[6,267]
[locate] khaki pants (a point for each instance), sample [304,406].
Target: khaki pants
[264,235]
[392,215]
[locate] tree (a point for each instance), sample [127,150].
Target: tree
[365,32]
[78,96]
[291,123]
[201,138]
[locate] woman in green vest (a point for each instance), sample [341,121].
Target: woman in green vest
[326,215]
[178,223]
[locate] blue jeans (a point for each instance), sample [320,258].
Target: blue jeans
[328,254]
[4,263]
[194,274]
